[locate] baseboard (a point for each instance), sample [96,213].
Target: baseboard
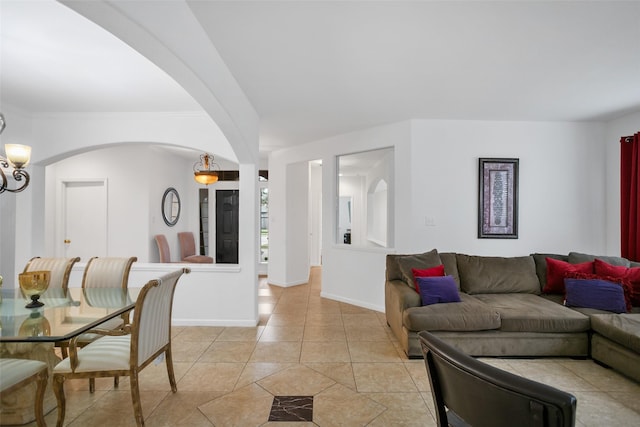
[214,322]
[353,302]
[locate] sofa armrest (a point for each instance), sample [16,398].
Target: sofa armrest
[402,295]
[398,297]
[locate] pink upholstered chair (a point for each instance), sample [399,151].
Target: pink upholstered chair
[188,249]
[163,248]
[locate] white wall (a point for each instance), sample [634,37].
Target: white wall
[561,188]
[561,184]
[211,295]
[623,126]
[297,223]
[16,208]
[137,177]
[315,214]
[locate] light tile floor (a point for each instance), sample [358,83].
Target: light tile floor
[344,356]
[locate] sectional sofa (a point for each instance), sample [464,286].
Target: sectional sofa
[503,311]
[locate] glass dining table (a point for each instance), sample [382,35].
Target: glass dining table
[31,333]
[64,315]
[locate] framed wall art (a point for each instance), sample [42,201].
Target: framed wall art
[498,198]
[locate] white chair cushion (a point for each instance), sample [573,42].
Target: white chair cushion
[108,353]
[12,371]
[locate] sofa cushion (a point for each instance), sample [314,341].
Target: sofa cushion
[493,275]
[623,329]
[450,265]
[532,313]
[577,258]
[419,261]
[557,270]
[392,271]
[595,293]
[541,265]
[437,290]
[468,315]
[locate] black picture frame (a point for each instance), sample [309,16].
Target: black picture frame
[498,198]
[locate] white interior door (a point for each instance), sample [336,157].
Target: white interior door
[84,219]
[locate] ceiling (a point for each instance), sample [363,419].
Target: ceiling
[315,69]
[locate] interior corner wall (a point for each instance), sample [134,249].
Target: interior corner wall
[297,238]
[615,129]
[8,266]
[315,214]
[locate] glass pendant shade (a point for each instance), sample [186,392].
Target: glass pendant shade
[206,177]
[18,155]
[206,171]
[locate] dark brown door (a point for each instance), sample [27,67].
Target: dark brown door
[227,226]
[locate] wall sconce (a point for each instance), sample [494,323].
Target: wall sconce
[17,157]
[206,171]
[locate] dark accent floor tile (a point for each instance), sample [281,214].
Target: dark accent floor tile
[292,408]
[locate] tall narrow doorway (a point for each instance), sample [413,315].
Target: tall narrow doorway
[227,223]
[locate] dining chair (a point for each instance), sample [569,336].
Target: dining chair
[163,248]
[468,392]
[188,249]
[60,269]
[100,273]
[126,352]
[18,373]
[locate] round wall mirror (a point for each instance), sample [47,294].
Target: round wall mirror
[171,207]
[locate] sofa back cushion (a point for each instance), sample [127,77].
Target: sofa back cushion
[577,258]
[392,272]
[541,265]
[450,265]
[419,261]
[497,275]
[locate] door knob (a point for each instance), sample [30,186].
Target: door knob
[67,241]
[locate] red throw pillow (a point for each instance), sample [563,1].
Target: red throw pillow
[427,272]
[632,275]
[557,271]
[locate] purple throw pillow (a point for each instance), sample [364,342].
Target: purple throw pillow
[595,293]
[434,290]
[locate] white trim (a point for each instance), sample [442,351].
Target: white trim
[352,302]
[287,285]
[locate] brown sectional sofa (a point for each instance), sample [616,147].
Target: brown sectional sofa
[503,311]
